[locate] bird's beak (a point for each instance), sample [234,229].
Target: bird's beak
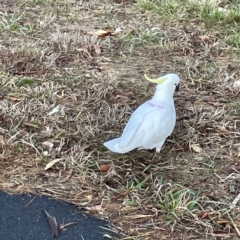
[158,80]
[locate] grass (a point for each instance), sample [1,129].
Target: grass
[236,107]
[211,14]
[175,201]
[55,88]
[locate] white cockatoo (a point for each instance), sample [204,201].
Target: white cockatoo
[152,122]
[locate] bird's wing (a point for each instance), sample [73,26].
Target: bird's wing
[157,126]
[148,124]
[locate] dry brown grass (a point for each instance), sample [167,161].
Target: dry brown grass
[48,63]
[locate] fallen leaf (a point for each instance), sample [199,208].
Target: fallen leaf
[50,164]
[196,148]
[97,49]
[103,33]
[105,168]
[100,32]
[14,98]
[202,215]
[65,175]
[97,208]
[53,224]
[204,38]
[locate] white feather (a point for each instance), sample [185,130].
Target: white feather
[151,123]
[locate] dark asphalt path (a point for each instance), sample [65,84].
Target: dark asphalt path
[30,223]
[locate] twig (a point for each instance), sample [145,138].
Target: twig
[30,202]
[235,201]
[233,223]
[30,144]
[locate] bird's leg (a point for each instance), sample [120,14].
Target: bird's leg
[158,149]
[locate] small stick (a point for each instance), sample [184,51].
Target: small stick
[235,201]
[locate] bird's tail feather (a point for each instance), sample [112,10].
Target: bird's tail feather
[113,145]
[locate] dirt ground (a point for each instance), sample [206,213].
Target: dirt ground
[72,72]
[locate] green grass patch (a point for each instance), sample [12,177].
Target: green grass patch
[175,200]
[233,39]
[143,38]
[11,22]
[236,107]
[217,15]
